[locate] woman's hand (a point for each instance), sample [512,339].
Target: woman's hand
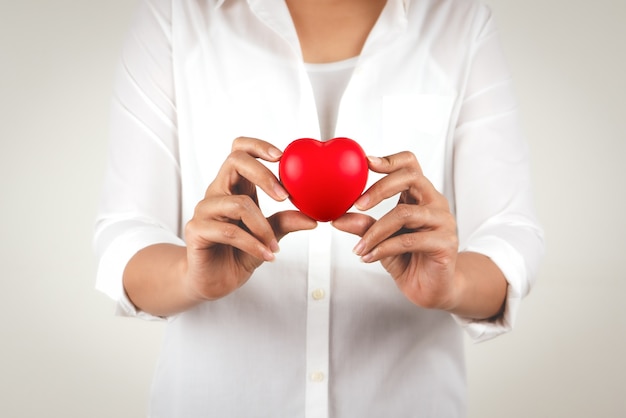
[416,241]
[228,236]
[226,240]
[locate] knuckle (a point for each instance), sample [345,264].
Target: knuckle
[404,159]
[234,157]
[198,215]
[414,173]
[413,163]
[409,157]
[453,242]
[364,223]
[229,231]
[237,143]
[190,228]
[202,207]
[407,240]
[403,212]
[241,204]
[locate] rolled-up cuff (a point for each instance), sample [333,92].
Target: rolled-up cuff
[511,263]
[115,258]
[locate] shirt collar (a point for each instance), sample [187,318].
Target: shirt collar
[392,21]
[405,4]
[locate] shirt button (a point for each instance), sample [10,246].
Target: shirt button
[317,377]
[318,294]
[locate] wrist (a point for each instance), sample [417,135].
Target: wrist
[192,290]
[479,287]
[454,303]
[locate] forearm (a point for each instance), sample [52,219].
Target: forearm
[481,287]
[153,280]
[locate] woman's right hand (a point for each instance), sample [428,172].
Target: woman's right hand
[228,236]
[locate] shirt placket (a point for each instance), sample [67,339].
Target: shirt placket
[318,322]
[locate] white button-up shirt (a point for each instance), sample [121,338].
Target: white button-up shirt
[317,332]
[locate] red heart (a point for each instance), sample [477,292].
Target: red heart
[323,179]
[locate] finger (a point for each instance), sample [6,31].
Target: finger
[391,163]
[405,163]
[418,188]
[240,211]
[240,165]
[289,221]
[438,244]
[354,223]
[215,232]
[404,180]
[402,219]
[257,148]
[405,177]
[412,188]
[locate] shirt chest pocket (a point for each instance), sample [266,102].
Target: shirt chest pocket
[417,123]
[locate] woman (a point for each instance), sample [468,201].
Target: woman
[359,317]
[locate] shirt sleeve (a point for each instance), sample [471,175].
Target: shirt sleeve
[493,199]
[140,200]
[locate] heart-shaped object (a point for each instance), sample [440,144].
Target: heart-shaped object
[323,179]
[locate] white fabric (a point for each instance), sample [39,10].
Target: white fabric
[316,333]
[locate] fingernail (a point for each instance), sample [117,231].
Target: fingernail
[362,202]
[274,152]
[274,246]
[280,191]
[358,249]
[374,160]
[367,258]
[268,255]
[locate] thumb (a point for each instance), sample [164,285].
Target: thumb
[289,221]
[354,223]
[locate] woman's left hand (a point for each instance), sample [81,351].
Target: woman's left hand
[416,241]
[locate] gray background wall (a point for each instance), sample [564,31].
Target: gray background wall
[63,353]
